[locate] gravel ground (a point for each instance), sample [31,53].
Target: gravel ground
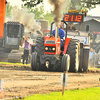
[22,81]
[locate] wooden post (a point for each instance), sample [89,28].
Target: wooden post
[63,83]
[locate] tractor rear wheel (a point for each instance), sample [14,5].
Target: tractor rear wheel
[39,47]
[65,63]
[97,50]
[35,61]
[74,51]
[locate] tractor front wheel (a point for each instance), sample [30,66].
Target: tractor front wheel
[65,63]
[35,61]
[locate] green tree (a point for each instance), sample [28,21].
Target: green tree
[32,3]
[49,16]
[84,3]
[81,4]
[9,10]
[40,13]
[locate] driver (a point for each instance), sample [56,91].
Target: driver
[61,35]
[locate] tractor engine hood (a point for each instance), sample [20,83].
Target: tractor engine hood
[52,45]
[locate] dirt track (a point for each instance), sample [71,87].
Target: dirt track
[21,81]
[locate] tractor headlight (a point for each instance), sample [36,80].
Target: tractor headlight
[53,49]
[46,48]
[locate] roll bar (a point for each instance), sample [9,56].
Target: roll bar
[66,28]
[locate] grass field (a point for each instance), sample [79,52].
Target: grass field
[85,94]
[29,64]
[93,68]
[7,63]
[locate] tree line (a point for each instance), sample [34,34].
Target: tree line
[37,7]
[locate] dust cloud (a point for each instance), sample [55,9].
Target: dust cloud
[58,7]
[27,19]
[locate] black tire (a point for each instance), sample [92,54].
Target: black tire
[35,61]
[65,63]
[85,58]
[7,50]
[73,51]
[39,47]
[95,58]
[81,57]
[32,61]
[97,50]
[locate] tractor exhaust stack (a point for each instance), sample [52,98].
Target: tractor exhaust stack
[56,32]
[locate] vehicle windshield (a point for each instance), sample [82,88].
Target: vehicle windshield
[13,30]
[68,33]
[47,33]
[73,32]
[97,38]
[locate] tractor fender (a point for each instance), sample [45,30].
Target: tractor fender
[67,40]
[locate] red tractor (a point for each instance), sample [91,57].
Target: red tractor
[48,55]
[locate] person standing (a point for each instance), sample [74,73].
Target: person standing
[91,57]
[26,48]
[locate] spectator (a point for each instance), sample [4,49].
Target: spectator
[26,48]
[91,57]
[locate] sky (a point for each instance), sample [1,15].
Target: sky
[47,6]
[95,11]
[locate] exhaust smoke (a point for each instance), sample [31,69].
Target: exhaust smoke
[58,6]
[27,19]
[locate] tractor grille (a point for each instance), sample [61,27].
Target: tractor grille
[50,49]
[50,42]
